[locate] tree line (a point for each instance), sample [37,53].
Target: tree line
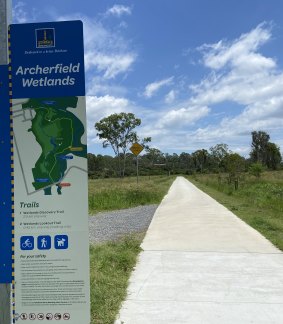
[118,132]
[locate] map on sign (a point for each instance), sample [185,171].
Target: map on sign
[136,148]
[55,134]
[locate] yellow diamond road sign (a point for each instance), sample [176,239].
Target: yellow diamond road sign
[136,148]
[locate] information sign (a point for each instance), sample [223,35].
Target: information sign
[5,185]
[51,194]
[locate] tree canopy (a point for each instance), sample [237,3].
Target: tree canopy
[117,131]
[263,151]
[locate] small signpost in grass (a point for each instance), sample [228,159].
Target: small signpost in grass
[136,149]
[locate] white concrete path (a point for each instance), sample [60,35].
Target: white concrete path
[202,264]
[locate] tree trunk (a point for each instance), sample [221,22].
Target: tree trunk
[124,165]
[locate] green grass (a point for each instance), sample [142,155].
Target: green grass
[112,194]
[111,263]
[259,202]
[110,267]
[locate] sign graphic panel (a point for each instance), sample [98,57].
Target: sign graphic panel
[51,204]
[136,148]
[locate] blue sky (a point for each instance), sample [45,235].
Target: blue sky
[197,72]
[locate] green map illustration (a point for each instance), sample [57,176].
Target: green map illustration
[59,133]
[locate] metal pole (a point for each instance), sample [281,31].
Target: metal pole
[5,312]
[137,169]
[5,20]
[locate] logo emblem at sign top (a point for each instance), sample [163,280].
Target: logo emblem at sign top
[45,37]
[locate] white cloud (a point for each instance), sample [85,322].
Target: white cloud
[109,64]
[106,51]
[22,15]
[152,88]
[241,52]
[169,129]
[241,74]
[99,86]
[19,13]
[170,97]
[119,10]
[100,107]
[183,117]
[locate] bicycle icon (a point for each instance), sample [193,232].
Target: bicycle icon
[27,243]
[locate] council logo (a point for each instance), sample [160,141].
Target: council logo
[45,37]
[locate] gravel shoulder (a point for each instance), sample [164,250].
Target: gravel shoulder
[109,226]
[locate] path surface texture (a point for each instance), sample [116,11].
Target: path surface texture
[202,264]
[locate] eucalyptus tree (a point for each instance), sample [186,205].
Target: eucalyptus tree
[218,154]
[263,151]
[260,141]
[117,131]
[200,158]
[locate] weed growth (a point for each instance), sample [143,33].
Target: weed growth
[110,267]
[111,194]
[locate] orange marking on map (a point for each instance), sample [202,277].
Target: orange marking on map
[76,148]
[65,184]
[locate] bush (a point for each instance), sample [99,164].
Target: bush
[256,169]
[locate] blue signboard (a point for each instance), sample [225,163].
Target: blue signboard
[5,176]
[50,172]
[48,61]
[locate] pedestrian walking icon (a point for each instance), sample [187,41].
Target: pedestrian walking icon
[61,242]
[44,242]
[27,242]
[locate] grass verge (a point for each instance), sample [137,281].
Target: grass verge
[112,194]
[110,267]
[259,202]
[111,263]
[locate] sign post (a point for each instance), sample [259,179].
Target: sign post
[5,198]
[6,181]
[51,194]
[5,170]
[136,149]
